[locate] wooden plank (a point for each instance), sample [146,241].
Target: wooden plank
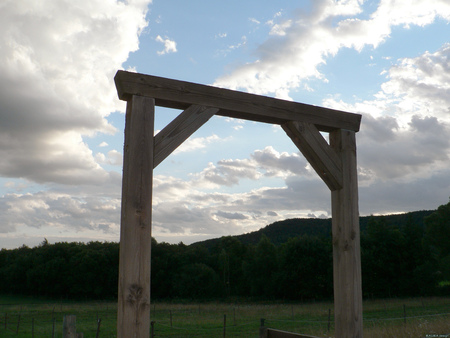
[346,241]
[272,333]
[177,131]
[317,151]
[180,94]
[135,229]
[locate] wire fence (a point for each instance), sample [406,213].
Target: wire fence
[99,320]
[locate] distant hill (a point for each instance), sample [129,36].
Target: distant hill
[280,231]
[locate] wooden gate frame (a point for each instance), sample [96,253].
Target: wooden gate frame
[334,162]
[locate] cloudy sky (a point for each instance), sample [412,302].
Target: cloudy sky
[61,123]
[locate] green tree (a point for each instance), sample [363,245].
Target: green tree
[438,237]
[306,268]
[228,256]
[417,273]
[167,259]
[438,230]
[197,281]
[382,259]
[261,269]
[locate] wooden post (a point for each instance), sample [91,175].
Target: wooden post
[53,328]
[224,326]
[346,240]
[262,329]
[18,323]
[329,320]
[99,321]
[135,230]
[69,326]
[152,329]
[404,313]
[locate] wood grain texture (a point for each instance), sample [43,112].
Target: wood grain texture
[346,241]
[317,151]
[180,94]
[177,131]
[135,229]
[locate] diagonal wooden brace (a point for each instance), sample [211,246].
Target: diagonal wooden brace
[177,131]
[317,151]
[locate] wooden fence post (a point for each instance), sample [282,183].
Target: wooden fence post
[98,328]
[133,315]
[70,326]
[346,240]
[224,325]
[329,320]
[262,329]
[404,313]
[18,323]
[152,329]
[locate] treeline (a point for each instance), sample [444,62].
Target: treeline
[69,270]
[401,256]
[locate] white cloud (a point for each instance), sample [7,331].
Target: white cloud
[262,163]
[280,164]
[228,172]
[240,44]
[57,63]
[188,207]
[280,29]
[113,157]
[392,154]
[421,85]
[298,46]
[170,46]
[231,215]
[403,146]
[195,143]
[59,212]
[404,128]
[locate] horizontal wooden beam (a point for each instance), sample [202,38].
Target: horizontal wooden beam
[180,95]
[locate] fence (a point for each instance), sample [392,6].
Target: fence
[265,332]
[204,320]
[46,320]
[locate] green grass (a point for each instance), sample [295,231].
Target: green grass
[47,317]
[382,318]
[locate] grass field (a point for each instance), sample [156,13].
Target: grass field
[382,318]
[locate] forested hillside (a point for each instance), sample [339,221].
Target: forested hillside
[402,255]
[279,232]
